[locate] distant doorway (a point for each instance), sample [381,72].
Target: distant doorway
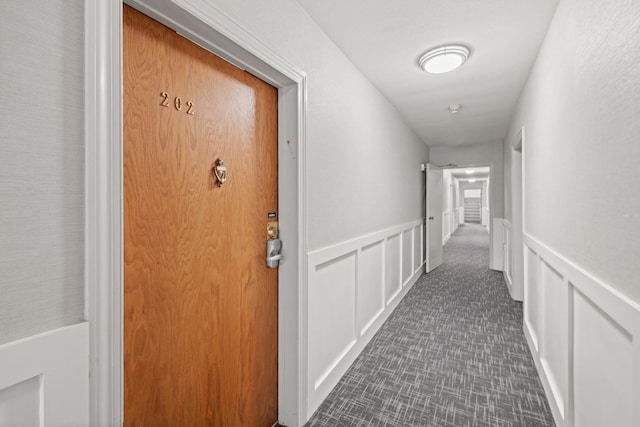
[473,206]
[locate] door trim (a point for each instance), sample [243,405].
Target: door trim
[103,191]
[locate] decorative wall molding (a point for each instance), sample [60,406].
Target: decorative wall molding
[497,259]
[353,288]
[446,226]
[585,339]
[44,379]
[507,245]
[450,224]
[485,217]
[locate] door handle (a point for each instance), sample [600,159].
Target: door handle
[430,218]
[274,255]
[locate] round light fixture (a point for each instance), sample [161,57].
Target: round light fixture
[444,59]
[469,171]
[472,180]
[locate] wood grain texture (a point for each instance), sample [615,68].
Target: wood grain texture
[200,306]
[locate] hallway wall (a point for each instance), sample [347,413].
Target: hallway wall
[41,167]
[580,110]
[479,155]
[472,155]
[363,161]
[365,192]
[363,174]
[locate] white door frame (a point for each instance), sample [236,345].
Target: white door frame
[492,208]
[427,234]
[204,24]
[517,218]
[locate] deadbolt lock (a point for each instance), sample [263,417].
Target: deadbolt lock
[272,230]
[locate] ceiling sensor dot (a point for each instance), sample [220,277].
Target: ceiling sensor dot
[455,108]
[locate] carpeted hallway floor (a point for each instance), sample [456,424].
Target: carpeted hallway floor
[452,354]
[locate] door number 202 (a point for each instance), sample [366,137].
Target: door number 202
[177,103]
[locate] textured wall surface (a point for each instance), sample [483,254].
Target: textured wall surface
[41,166]
[580,109]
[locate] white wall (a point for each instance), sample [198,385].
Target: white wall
[363,171]
[476,155]
[44,341]
[472,155]
[364,163]
[363,179]
[580,109]
[581,140]
[41,166]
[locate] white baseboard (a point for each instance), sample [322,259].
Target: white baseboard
[585,339]
[353,288]
[44,379]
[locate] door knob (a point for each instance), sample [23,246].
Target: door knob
[430,218]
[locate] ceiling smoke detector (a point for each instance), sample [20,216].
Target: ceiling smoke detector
[444,59]
[455,108]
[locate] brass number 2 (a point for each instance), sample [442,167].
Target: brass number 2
[177,102]
[165,101]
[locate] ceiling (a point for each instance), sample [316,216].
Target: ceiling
[479,173]
[384,39]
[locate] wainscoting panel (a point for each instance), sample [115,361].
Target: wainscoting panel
[407,255]
[353,288]
[585,339]
[602,396]
[446,226]
[497,253]
[485,217]
[507,251]
[418,247]
[370,285]
[554,341]
[393,274]
[531,295]
[44,379]
[332,314]
[454,220]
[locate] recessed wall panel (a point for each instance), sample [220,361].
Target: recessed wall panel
[370,285]
[331,313]
[392,268]
[554,337]
[417,248]
[532,295]
[602,367]
[20,403]
[407,252]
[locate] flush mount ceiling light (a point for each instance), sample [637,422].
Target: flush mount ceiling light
[472,180]
[444,59]
[469,171]
[455,108]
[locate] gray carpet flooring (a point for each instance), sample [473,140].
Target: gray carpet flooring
[452,354]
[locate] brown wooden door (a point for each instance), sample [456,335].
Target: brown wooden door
[200,305]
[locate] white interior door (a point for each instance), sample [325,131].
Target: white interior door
[434,217]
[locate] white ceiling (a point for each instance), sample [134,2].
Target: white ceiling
[479,173]
[385,38]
